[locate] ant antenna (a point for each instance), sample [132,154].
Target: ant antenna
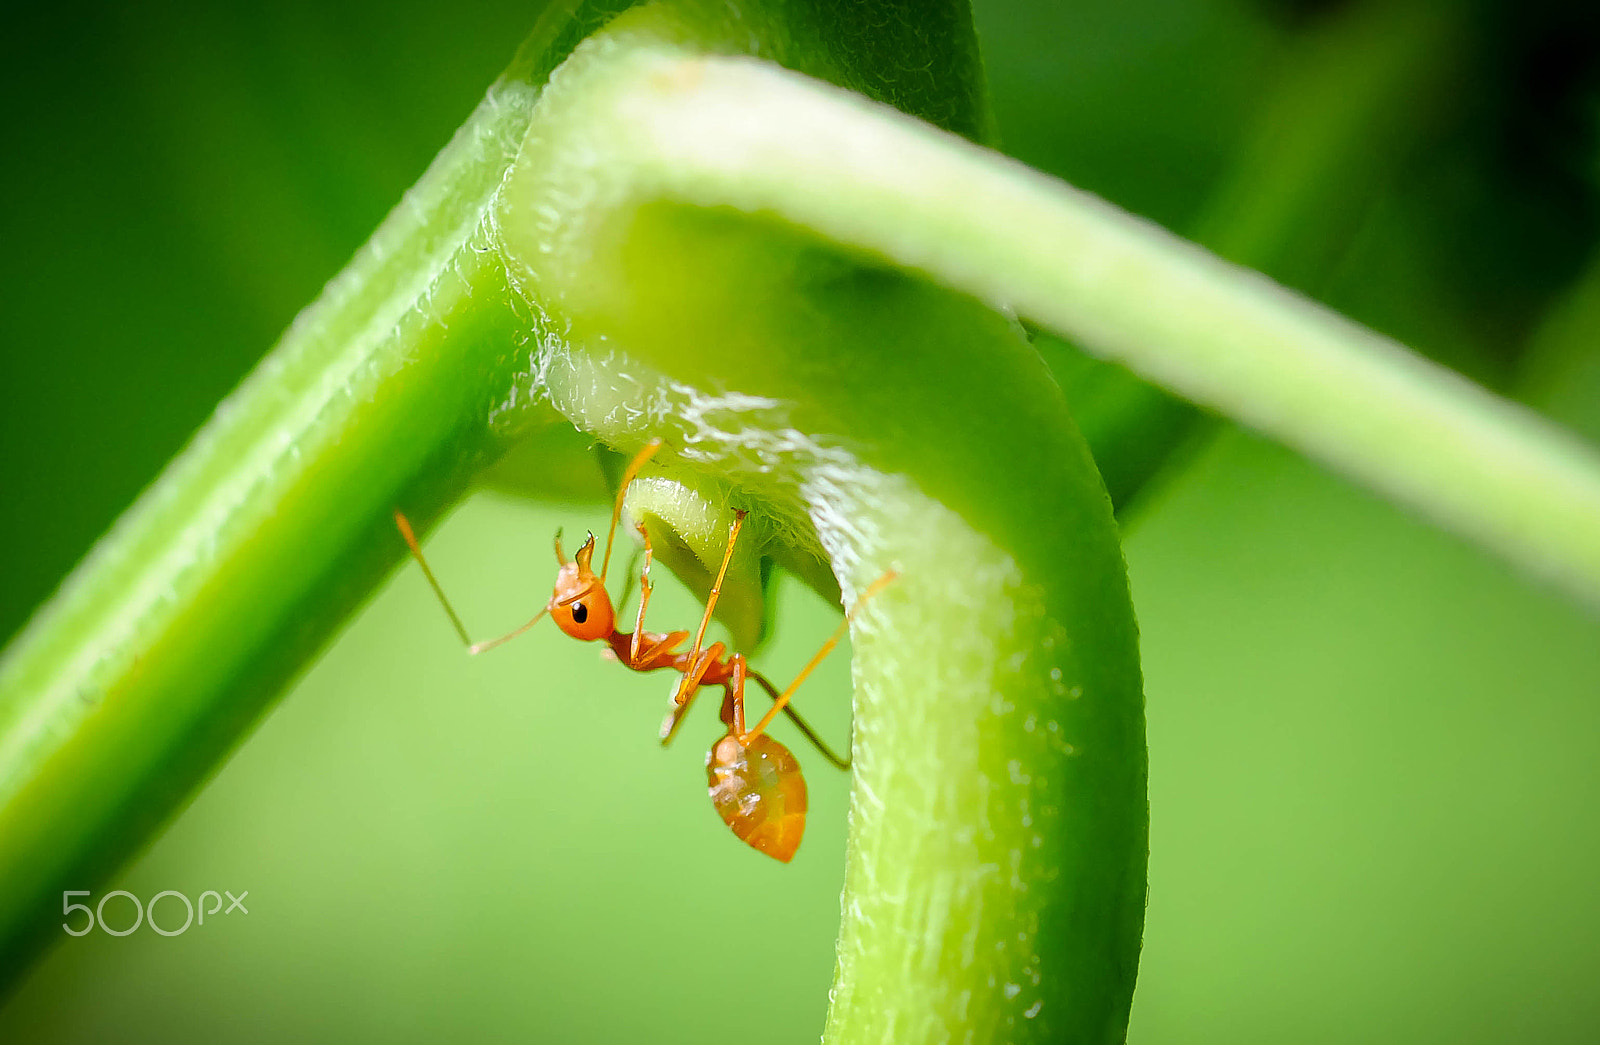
[479,647]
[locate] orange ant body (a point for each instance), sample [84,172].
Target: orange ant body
[755,782]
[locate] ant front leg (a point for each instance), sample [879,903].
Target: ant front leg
[711,601]
[638,658]
[699,661]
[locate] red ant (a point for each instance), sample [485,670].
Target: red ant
[755,783]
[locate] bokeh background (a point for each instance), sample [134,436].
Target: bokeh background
[1375,752]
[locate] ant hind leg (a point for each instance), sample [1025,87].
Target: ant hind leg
[842,762]
[781,701]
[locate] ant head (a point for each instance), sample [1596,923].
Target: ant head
[580,605]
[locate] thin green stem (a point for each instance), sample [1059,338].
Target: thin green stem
[1561,373]
[1356,97]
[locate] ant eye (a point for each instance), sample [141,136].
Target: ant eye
[580,612]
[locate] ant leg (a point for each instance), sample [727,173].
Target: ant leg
[627,587]
[688,688]
[711,597]
[637,657]
[733,712]
[628,475]
[782,700]
[799,723]
[416,551]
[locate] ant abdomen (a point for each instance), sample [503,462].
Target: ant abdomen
[759,792]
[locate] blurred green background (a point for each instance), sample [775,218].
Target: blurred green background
[1375,753]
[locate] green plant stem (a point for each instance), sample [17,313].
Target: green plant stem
[1561,370]
[995,881]
[731,132]
[1012,802]
[1357,95]
[783,383]
[207,597]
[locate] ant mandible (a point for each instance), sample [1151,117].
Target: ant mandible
[755,783]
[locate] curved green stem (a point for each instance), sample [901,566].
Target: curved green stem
[1021,785]
[995,884]
[694,247]
[721,132]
